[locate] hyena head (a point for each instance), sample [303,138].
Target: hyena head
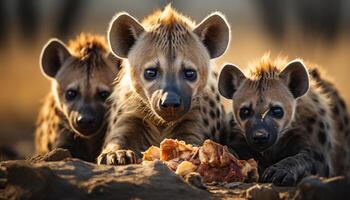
[168,57]
[82,77]
[264,102]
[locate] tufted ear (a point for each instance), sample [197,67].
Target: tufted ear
[296,77]
[124,30]
[53,56]
[230,78]
[214,32]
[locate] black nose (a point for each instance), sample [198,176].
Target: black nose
[261,137]
[85,120]
[170,100]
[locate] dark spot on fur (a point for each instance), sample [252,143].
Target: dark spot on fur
[217,97]
[322,111]
[232,122]
[211,103]
[322,126]
[114,120]
[347,132]
[204,110]
[340,126]
[213,130]
[215,74]
[212,114]
[342,103]
[206,98]
[212,88]
[322,137]
[311,120]
[206,122]
[218,125]
[346,120]
[335,110]
[315,99]
[217,112]
[309,129]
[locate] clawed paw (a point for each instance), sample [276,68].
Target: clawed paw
[279,176]
[117,157]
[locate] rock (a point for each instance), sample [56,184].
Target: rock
[76,179]
[55,155]
[322,188]
[57,175]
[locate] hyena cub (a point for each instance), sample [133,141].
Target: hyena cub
[74,112]
[285,118]
[165,91]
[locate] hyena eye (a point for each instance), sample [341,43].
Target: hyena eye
[276,112]
[151,74]
[103,95]
[245,113]
[71,95]
[190,74]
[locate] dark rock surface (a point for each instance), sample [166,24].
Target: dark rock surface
[58,176]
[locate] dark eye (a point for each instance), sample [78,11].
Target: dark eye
[103,95]
[245,113]
[276,112]
[151,74]
[71,94]
[190,74]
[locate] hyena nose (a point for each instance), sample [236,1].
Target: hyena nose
[85,120]
[261,136]
[170,100]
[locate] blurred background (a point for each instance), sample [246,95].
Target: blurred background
[315,30]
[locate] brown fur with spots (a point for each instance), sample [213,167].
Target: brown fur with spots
[74,113]
[289,119]
[167,89]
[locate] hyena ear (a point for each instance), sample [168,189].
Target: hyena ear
[296,77]
[230,78]
[124,30]
[214,32]
[53,56]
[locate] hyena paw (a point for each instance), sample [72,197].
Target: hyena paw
[117,157]
[279,176]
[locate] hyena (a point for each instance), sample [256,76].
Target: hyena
[75,112]
[168,89]
[287,117]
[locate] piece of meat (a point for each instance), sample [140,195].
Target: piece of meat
[212,161]
[152,153]
[185,168]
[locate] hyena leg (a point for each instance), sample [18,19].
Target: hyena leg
[289,171]
[64,140]
[124,142]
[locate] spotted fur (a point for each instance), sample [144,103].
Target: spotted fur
[312,140]
[169,42]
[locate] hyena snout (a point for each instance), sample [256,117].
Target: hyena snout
[170,100]
[261,136]
[171,106]
[88,121]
